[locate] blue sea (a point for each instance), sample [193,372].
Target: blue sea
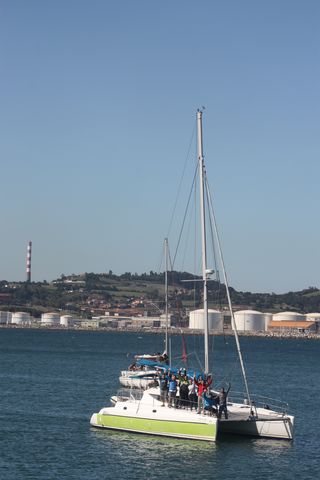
[52,381]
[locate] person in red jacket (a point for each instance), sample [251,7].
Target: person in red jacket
[202,387]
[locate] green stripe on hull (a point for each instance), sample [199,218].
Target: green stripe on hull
[195,431]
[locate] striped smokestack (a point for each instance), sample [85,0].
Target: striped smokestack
[29,262]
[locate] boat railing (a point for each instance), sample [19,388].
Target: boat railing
[259,401]
[134,394]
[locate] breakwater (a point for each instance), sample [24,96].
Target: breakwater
[158,331]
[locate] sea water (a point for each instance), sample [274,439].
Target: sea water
[52,381]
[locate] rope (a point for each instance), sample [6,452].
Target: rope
[227,290]
[181,179]
[184,217]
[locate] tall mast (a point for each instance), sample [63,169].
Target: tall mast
[203,241]
[166,292]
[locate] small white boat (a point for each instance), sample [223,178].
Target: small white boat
[138,379]
[144,371]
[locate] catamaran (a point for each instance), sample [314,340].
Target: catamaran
[143,413]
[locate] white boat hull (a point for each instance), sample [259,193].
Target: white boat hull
[266,423]
[147,416]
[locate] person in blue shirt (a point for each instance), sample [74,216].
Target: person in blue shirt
[173,385]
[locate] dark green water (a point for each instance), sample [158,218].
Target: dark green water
[51,382]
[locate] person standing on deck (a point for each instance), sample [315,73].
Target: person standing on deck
[173,385]
[192,394]
[184,390]
[202,387]
[163,384]
[223,396]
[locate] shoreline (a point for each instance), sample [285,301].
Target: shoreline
[157,331]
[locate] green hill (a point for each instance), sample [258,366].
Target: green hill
[89,294]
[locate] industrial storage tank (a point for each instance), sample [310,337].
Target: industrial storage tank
[288,317]
[215,320]
[50,318]
[268,319]
[5,317]
[66,320]
[313,317]
[250,321]
[20,318]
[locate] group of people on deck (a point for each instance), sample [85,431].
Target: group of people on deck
[181,391]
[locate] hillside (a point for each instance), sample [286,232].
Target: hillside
[92,294]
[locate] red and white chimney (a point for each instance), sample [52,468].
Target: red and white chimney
[29,262]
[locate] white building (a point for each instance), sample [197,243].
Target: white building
[268,318]
[66,321]
[288,317]
[5,317]
[250,321]
[215,320]
[50,318]
[313,317]
[20,318]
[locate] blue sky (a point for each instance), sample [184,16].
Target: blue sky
[98,103]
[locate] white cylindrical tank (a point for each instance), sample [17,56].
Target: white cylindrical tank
[19,318]
[215,320]
[268,319]
[50,318]
[66,320]
[250,321]
[313,317]
[5,317]
[288,317]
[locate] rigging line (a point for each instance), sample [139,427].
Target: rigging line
[161,260]
[169,258]
[181,180]
[212,240]
[216,266]
[185,215]
[224,335]
[230,374]
[214,250]
[186,239]
[227,291]
[198,360]
[211,348]
[215,259]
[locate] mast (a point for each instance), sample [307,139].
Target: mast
[203,241]
[166,292]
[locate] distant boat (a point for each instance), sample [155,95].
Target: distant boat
[144,371]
